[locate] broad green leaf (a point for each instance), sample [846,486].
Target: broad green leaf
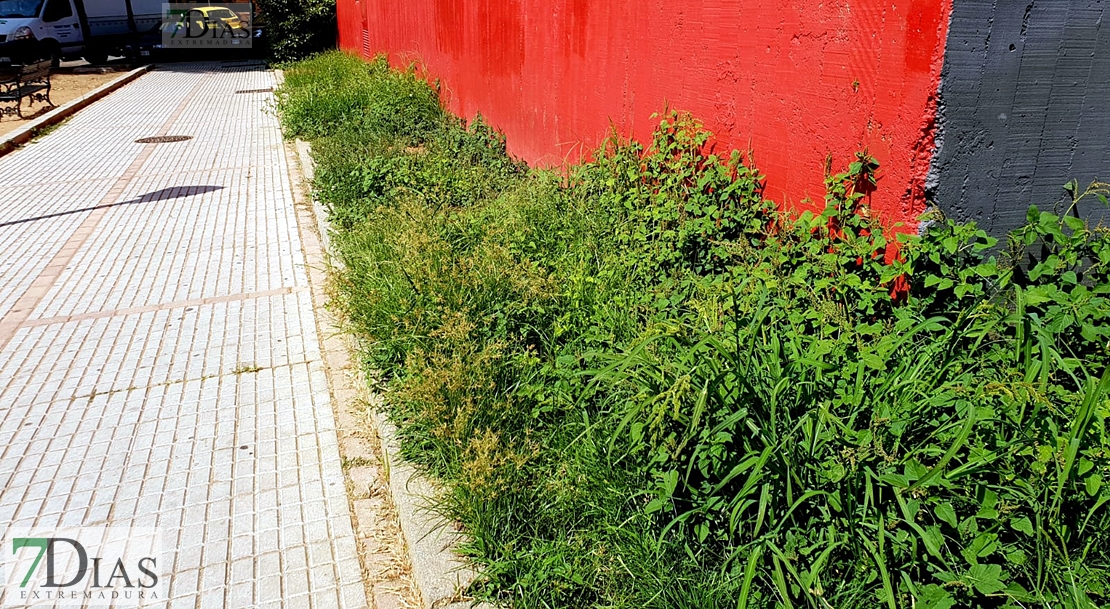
[984,545]
[986,579]
[874,361]
[934,540]
[1017,557]
[933,596]
[1023,525]
[1094,483]
[670,483]
[988,502]
[1076,224]
[897,480]
[947,513]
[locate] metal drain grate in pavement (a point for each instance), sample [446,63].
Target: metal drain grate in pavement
[266,90]
[163,139]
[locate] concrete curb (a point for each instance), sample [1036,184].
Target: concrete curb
[24,134]
[441,575]
[439,572]
[379,540]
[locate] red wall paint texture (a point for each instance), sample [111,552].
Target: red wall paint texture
[791,80]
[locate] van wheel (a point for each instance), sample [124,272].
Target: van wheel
[53,51]
[96,56]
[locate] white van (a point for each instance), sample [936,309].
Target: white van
[58,29]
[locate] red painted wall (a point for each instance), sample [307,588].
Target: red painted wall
[791,80]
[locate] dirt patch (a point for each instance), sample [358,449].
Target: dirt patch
[63,88]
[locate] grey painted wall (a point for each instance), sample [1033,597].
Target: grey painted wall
[1024,107]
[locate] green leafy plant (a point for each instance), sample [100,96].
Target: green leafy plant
[295,29]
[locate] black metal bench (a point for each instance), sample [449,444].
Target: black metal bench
[31,81]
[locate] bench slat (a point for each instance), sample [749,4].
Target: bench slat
[30,81]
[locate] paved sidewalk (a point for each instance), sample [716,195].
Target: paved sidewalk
[159,361]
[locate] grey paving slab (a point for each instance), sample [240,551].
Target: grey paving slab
[159,361]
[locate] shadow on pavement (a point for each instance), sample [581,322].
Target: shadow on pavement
[164,194]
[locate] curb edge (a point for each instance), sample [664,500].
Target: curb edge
[439,572]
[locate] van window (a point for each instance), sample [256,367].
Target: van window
[57,9]
[19,8]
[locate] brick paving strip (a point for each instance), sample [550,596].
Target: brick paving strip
[160,362]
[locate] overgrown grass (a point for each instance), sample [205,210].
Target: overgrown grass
[644,386]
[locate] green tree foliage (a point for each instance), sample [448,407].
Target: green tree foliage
[298,28]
